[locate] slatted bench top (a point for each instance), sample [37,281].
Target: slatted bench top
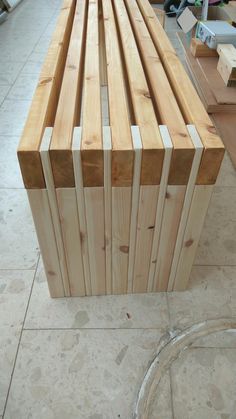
[116,49]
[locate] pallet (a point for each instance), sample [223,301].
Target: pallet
[119,164]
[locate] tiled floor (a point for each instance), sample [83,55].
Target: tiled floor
[86,358]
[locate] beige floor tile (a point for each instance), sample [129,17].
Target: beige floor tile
[161,407]
[9,340]
[204,384]
[212,277]
[125,311]
[18,244]
[203,301]
[15,289]
[4,89]
[24,87]
[9,165]
[13,125]
[9,72]
[218,240]
[79,374]
[225,339]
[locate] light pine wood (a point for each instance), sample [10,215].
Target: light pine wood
[198,49]
[47,171]
[197,214]
[76,146]
[227,63]
[170,223]
[67,206]
[107,147]
[121,213]
[94,204]
[145,230]
[153,152]
[68,110]
[188,100]
[38,199]
[102,49]
[44,102]
[160,203]
[161,16]
[91,147]
[135,202]
[122,147]
[187,203]
[166,104]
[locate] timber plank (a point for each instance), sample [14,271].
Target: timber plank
[44,103]
[122,146]
[166,104]
[68,110]
[91,147]
[188,100]
[153,151]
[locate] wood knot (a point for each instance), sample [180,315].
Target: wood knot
[151,227]
[189,243]
[51,273]
[167,195]
[211,129]
[45,81]
[71,67]
[124,249]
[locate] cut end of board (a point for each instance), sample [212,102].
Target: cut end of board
[62,168]
[31,169]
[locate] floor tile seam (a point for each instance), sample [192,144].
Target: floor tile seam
[19,342]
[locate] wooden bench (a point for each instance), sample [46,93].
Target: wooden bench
[118,154]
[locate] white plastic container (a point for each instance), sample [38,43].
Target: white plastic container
[213,32]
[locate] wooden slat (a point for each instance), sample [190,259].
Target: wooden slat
[107,146]
[200,202]
[153,152]
[39,204]
[67,206]
[134,205]
[145,230]
[91,148]
[188,100]
[187,203]
[44,102]
[160,204]
[164,98]
[121,213]
[47,171]
[68,109]
[170,222]
[122,147]
[76,146]
[94,204]
[198,49]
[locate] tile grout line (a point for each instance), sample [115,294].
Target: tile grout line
[18,346]
[47,329]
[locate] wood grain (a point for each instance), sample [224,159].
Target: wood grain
[166,105]
[188,100]
[122,147]
[68,110]
[44,103]
[145,118]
